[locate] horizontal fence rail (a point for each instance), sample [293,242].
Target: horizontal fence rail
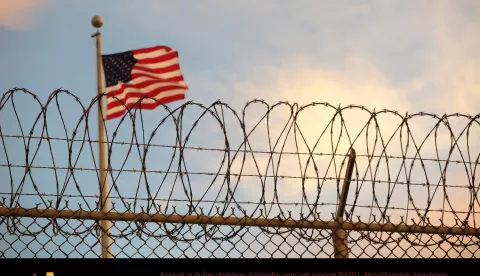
[194,180]
[236,221]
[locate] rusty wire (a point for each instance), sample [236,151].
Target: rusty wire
[375,172]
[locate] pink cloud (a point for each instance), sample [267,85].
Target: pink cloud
[20,14]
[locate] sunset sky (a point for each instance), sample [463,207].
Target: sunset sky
[409,56]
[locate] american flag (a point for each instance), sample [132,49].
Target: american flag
[153,72]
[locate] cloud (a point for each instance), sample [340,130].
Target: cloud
[20,14]
[422,53]
[392,55]
[454,68]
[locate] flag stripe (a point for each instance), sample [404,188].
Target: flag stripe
[157,94]
[152,49]
[167,68]
[159,77]
[119,111]
[118,89]
[121,90]
[154,72]
[178,78]
[158,97]
[149,91]
[157,59]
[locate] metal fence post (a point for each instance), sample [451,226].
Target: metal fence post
[340,236]
[105,225]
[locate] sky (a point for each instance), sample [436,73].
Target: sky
[408,56]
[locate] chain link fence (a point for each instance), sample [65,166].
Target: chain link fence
[273,181]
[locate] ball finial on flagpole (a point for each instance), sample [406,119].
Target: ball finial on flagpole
[97,21]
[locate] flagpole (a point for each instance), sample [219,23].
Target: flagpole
[105,240]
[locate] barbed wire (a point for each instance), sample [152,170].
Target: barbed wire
[237,175]
[240,150]
[397,159]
